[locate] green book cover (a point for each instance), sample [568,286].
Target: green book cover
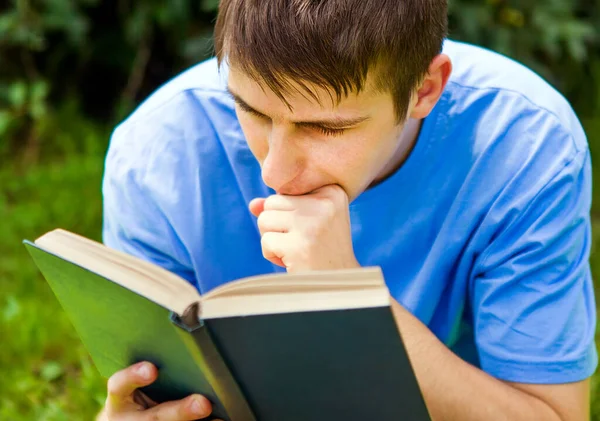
[327,363]
[119,328]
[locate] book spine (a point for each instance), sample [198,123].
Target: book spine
[211,363]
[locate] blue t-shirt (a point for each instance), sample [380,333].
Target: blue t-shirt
[483,234]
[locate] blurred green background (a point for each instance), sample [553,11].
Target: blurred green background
[71,69]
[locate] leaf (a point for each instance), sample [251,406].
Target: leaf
[210,5]
[512,17]
[17,94]
[39,92]
[138,25]
[51,371]
[198,48]
[172,14]
[577,49]
[7,22]
[6,118]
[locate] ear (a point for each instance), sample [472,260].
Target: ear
[432,86]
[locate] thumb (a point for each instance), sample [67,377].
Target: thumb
[257,206]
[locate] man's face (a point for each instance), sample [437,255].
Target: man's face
[317,143]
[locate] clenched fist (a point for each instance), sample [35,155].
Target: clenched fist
[308,232]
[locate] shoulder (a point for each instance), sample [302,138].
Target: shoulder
[205,79]
[171,166]
[188,122]
[495,88]
[512,125]
[192,98]
[506,139]
[175,144]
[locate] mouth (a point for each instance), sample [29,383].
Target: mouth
[302,192]
[294,192]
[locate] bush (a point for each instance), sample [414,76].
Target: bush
[100,57]
[103,57]
[556,38]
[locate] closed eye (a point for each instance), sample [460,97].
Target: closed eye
[249,110]
[330,132]
[322,129]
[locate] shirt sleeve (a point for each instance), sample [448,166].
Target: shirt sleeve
[532,296]
[134,220]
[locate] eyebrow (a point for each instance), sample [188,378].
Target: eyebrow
[333,123]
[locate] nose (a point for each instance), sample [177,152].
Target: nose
[283,162]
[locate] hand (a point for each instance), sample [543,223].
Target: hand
[125,403]
[308,232]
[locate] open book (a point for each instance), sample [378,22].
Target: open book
[319,345]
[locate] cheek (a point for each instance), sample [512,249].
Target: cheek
[347,159]
[361,159]
[358,153]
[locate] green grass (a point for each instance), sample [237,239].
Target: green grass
[46,372]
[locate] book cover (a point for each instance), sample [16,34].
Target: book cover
[328,365]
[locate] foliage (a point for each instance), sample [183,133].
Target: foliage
[105,56]
[557,38]
[101,57]
[70,69]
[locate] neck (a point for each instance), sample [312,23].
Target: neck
[407,142]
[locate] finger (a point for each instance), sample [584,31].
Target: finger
[280,202]
[191,408]
[143,400]
[334,192]
[273,246]
[256,206]
[122,384]
[274,221]
[329,189]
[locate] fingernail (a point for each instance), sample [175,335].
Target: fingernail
[196,407]
[143,371]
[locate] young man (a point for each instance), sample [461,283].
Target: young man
[339,133]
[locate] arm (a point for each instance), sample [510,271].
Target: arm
[477,395]
[531,296]
[533,309]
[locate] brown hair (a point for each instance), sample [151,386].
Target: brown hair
[333,43]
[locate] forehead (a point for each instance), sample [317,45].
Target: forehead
[298,96]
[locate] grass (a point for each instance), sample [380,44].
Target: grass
[46,373]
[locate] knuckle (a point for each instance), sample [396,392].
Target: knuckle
[183,408]
[264,240]
[112,386]
[337,195]
[154,417]
[163,412]
[265,243]
[328,208]
[269,202]
[260,221]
